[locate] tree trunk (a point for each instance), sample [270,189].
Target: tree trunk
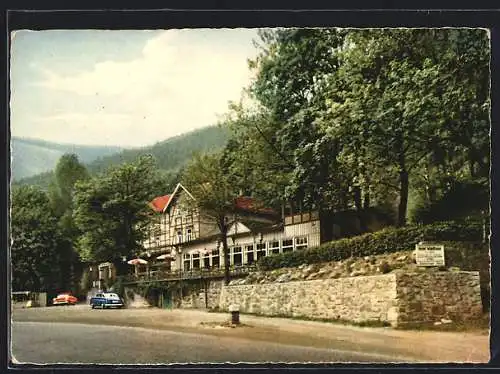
[403,197]
[358,202]
[366,198]
[357,198]
[225,249]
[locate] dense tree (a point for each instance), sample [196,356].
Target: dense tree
[67,173]
[360,115]
[291,71]
[252,159]
[35,242]
[214,195]
[395,89]
[112,214]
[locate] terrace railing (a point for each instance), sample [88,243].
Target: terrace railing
[204,273]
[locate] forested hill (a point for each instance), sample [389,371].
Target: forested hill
[171,154]
[34,156]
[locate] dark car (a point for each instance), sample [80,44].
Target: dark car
[106,300]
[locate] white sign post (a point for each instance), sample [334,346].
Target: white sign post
[429,254]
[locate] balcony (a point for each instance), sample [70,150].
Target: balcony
[169,275]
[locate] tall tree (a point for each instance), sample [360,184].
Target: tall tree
[358,116]
[393,99]
[112,214]
[214,196]
[36,239]
[67,173]
[291,70]
[252,159]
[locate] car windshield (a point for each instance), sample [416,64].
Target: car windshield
[112,296]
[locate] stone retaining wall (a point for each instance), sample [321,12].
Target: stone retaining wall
[196,299]
[398,298]
[429,297]
[354,299]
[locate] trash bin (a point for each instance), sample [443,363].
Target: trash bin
[235,314]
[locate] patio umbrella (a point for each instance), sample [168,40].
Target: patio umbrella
[137,261]
[165,257]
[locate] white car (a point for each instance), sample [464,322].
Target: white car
[106,300]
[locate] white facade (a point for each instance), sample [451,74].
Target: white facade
[247,248]
[192,237]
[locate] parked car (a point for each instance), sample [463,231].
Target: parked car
[106,300]
[64,299]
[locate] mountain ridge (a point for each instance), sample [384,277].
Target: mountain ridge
[171,154]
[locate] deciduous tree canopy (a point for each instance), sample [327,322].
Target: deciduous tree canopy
[112,211]
[353,118]
[35,241]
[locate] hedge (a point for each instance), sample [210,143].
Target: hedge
[384,241]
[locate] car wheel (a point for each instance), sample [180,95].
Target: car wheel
[92,306]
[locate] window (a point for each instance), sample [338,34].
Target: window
[301,242]
[261,250]
[188,234]
[215,259]
[178,221]
[287,245]
[196,260]
[274,247]
[237,256]
[206,261]
[187,261]
[249,254]
[179,236]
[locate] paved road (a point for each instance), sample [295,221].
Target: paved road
[48,343]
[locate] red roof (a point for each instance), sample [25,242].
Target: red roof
[250,204]
[242,202]
[158,203]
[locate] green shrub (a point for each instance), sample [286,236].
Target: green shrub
[384,241]
[461,199]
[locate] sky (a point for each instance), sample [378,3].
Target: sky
[128,88]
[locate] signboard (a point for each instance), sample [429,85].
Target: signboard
[429,254]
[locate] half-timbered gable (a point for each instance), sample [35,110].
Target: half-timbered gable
[192,238]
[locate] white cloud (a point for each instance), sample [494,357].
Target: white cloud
[178,83]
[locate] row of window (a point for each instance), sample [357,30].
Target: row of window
[181,236]
[244,254]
